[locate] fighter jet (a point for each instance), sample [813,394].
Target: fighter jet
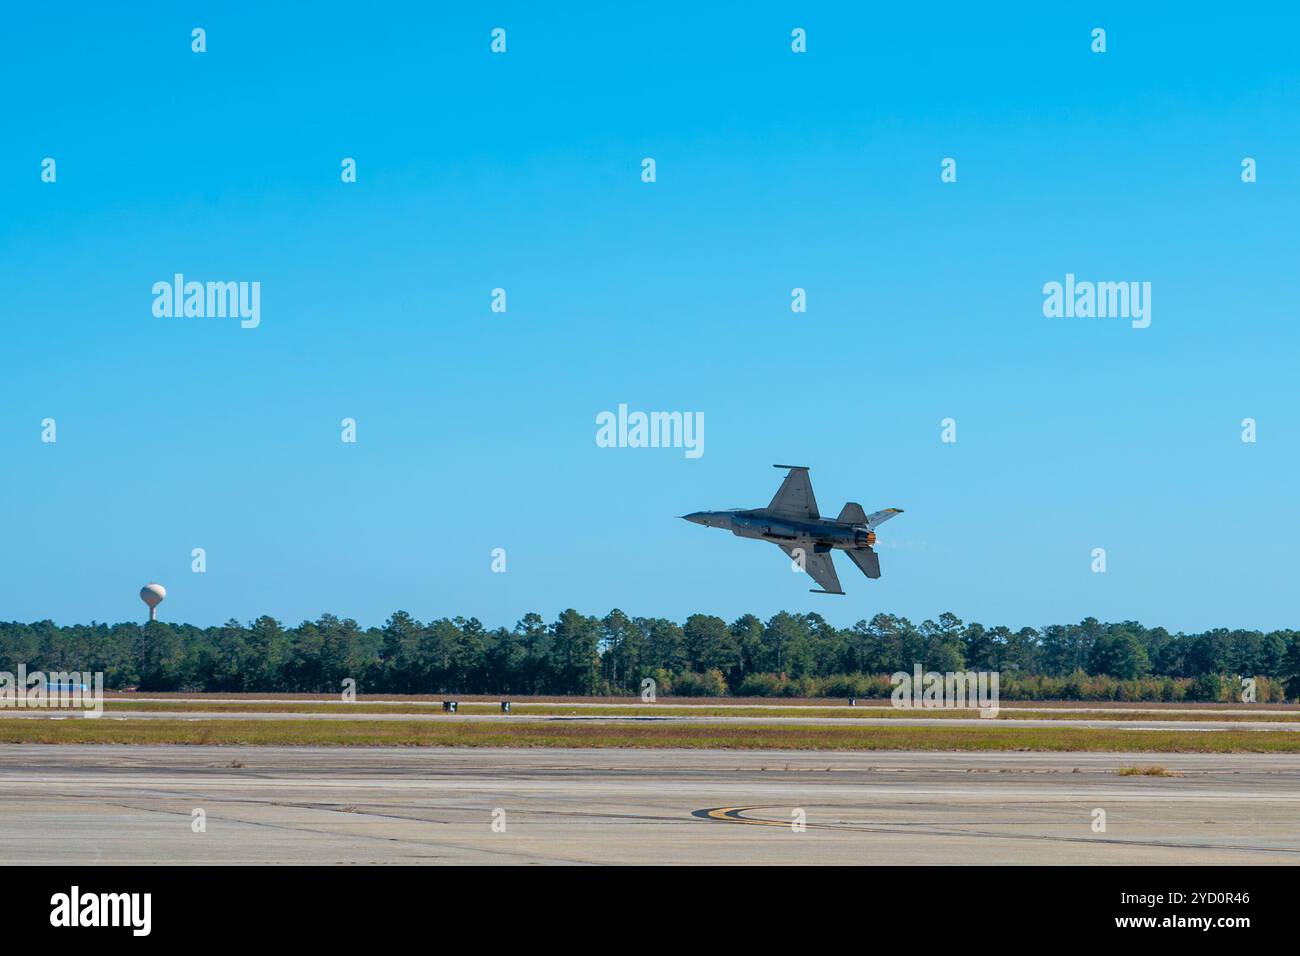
[792,523]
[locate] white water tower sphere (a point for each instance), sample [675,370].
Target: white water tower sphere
[153,594]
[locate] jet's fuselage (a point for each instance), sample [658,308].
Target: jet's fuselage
[759,523]
[793,522]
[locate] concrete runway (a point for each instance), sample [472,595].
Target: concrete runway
[918,721]
[134,805]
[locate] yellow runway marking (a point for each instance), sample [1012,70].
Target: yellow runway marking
[733,815]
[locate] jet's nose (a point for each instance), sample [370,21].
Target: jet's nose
[696,517]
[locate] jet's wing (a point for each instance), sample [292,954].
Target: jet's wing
[794,499]
[820,566]
[867,560]
[877,518]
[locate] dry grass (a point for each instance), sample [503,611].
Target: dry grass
[506,733]
[1155,770]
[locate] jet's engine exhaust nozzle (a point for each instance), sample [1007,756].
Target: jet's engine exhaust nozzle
[865,539]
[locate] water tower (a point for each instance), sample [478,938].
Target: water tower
[153,594]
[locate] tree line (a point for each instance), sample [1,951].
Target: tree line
[789,654]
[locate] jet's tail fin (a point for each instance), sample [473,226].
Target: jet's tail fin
[867,560]
[852,513]
[877,518]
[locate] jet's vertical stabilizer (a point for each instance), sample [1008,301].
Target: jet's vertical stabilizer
[852,514]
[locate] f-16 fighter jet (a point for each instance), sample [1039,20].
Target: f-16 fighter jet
[792,523]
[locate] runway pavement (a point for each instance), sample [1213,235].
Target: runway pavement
[122,804]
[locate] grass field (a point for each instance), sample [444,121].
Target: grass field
[1152,771]
[77,730]
[662,710]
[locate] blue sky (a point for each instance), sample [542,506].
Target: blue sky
[775,170]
